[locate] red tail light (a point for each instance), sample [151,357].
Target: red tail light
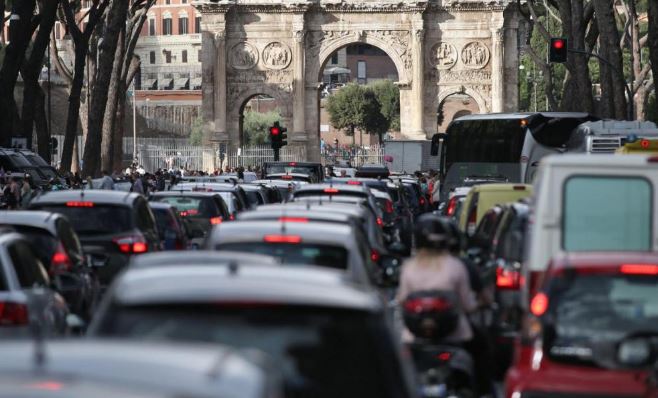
[508,279]
[60,262]
[282,239]
[216,220]
[13,314]
[374,255]
[292,164]
[452,206]
[426,305]
[293,219]
[539,304]
[519,187]
[286,177]
[74,203]
[389,206]
[231,217]
[330,190]
[421,201]
[131,244]
[639,269]
[380,222]
[353,182]
[444,356]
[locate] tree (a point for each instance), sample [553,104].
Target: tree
[255,126]
[196,135]
[356,107]
[388,95]
[114,23]
[653,38]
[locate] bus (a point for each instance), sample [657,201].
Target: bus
[503,146]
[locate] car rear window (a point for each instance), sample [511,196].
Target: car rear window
[295,253]
[607,214]
[254,198]
[43,242]
[589,306]
[322,352]
[330,192]
[190,206]
[96,220]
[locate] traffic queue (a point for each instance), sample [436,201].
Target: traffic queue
[303,283]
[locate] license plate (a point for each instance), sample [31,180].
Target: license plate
[97,261]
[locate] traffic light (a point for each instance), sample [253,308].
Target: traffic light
[278,136]
[283,137]
[557,52]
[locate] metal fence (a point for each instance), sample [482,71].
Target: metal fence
[354,156]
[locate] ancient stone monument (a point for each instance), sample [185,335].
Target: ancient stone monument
[279,47]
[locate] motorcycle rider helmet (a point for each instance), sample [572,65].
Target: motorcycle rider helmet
[434,232]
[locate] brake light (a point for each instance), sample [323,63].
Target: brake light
[330,190]
[293,219]
[353,182]
[46,386]
[231,217]
[13,314]
[131,244]
[389,206]
[444,356]
[374,255]
[292,164]
[508,279]
[519,187]
[426,304]
[216,220]
[421,201]
[539,304]
[452,206]
[282,239]
[286,177]
[60,262]
[639,269]
[380,222]
[75,203]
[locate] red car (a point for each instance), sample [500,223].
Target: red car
[583,298]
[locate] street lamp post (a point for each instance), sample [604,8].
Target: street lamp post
[134,121]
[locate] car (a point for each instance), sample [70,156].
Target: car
[372,170]
[220,179]
[28,304]
[584,301]
[297,241]
[414,196]
[249,176]
[314,170]
[285,188]
[58,248]
[483,197]
[330,192]
[171,227]
[46,169]
[12,161]
[291,177]
[272,193]
[199,211]
[101,368]
[256,195]
[235,190]
[329,337]
[458,193]
[385,204]
[111,225]
[201,257]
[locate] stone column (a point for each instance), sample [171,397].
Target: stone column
[220,86]
[299,86]
[497,70]
[208,83]
[417,84]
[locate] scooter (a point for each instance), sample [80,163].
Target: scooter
[445,370]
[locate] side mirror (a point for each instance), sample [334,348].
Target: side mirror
[389,271]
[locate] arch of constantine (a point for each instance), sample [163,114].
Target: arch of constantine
[279,48]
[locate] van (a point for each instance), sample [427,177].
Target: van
[483,197]
[587,203]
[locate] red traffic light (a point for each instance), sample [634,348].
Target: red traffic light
[275,130]
[558,44]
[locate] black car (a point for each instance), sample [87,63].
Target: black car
[58,248]
[171,227]
[330,338]
[199,210]
[256,195]
[314,170]
[112,225]
[12,161]
[234,189]
[46,169]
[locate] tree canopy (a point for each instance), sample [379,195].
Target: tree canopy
[357,107]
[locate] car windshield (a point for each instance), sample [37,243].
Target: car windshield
[99,219]
[322,353]
[595,305]
[191,207]
[295,253]
[36,160]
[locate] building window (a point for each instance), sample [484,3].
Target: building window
[167,2]
[151,27]
[183,1]
[182,25]
[152,57]
[167,55]
[334,58]
[184,56]
[166,25]
[361,70]
[197,24]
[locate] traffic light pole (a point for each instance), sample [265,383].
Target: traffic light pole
[629,93]
[276,154]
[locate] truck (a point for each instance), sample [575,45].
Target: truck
[408,156]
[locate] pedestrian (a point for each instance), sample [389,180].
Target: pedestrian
[106,182]
[138,185]
[26,191]
[160,182]
[13,193]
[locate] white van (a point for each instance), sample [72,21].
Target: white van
[587,203]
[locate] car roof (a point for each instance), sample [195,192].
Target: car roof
[340,188]
[87,195]
[308,285]
[601,160]
[286,211]
[564,261]
[185,193]
[379,194]
[347,207]
[501,187]
[160,206]
[177,368]
[252,188]
[30,218]
[200,258]
[256,230]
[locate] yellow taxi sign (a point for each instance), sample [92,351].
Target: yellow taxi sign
[640,146]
